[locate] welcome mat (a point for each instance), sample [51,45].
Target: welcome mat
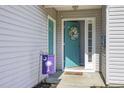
[73,73]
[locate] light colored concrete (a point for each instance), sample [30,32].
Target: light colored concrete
[80,81]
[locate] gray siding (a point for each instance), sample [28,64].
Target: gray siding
[82,41]
[51,11]
[23,36]
[78,14]
[115,54]
[103,48]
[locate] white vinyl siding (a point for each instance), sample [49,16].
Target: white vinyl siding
[23,36]
[115,71]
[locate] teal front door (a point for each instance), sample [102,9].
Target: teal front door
[51,37]
[71,43]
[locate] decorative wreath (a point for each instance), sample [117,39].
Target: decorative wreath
[73,33]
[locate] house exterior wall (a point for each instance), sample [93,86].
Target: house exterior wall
[82,42]
[78,14]
[103,45]
[23,36]
[115,44]
[50,11]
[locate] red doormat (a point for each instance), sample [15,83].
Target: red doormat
[73,73]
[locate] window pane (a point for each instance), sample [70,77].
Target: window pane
[89,34]
[90,57]
[90,49]
[90,27]
[90,42]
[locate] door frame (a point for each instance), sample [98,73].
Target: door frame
[54,40]
[94,41]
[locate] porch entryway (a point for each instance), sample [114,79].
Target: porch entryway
[77,50]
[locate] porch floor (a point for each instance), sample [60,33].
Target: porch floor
[87,79]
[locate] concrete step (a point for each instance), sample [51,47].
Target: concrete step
[52,80]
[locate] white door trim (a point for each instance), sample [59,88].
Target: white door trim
[94,38]
[54,22]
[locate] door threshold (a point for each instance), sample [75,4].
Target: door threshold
[83,70]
